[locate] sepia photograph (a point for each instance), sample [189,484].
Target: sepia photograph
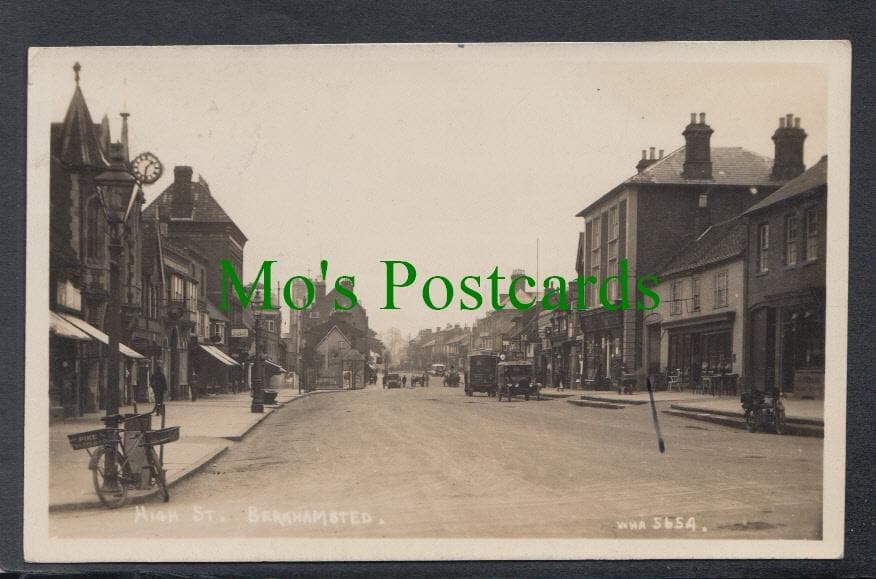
[436,301]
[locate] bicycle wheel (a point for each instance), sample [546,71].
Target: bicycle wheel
[159,474]
[114,494]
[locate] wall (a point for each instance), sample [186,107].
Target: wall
[735,303]
[780,277]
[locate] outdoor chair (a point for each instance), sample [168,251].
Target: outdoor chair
[674,381]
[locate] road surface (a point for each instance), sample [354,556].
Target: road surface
[431,462]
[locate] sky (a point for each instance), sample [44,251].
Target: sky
[456,159]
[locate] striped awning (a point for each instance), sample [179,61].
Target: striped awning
[98,335]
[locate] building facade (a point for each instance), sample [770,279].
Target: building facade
[79,262]
[786,280]
[651,217]
[698,327]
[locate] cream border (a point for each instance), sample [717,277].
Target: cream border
[39,547]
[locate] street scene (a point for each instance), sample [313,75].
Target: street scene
[221,361]
[432,462]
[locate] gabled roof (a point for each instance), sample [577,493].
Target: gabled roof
[730,166]
[79,145]
[205,207]
[813,178]
[329,332]
[718,243]
[317,334]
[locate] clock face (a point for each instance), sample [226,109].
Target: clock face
[147,168]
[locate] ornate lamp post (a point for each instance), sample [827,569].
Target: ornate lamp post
[115,189]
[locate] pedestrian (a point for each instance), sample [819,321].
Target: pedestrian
[159,387]
[405,381]
[193,385]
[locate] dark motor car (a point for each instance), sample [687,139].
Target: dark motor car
[516,379]
[393,381]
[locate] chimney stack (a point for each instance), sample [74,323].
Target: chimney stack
[648,158]
[697,149]
[183,203]
[789,137]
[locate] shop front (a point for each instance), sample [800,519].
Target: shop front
[787,345]
[602,348]
[701,346]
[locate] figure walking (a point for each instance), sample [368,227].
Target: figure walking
[159,387]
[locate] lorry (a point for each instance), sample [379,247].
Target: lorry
[480,374]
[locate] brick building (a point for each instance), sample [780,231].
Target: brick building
[79,262]
[786,280]
[649,218]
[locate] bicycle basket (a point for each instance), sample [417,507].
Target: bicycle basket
[91,438]
[162,436]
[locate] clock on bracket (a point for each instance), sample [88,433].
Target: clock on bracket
[146,168]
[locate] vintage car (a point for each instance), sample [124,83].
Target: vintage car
[515,379]
[392,381]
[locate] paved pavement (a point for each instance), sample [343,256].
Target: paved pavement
[432,462]
[206,427]
[795,410]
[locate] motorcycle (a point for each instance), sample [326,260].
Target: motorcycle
[762,410]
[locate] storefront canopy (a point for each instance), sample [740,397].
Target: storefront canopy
[219,355]
[61,327]
[98,335]
[276,367]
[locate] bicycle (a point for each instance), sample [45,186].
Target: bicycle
[135,462]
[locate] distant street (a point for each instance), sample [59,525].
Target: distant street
[431,462]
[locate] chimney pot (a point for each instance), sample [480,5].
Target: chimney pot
[644,154]
[652,152]
[693,118]
[661,153]
[788,157]
[697,149]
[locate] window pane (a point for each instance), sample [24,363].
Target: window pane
[811,234]
[791,240]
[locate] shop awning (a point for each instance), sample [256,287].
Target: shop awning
[98,335]
[231,360]
[275,366]
[61,327]
[218,354]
